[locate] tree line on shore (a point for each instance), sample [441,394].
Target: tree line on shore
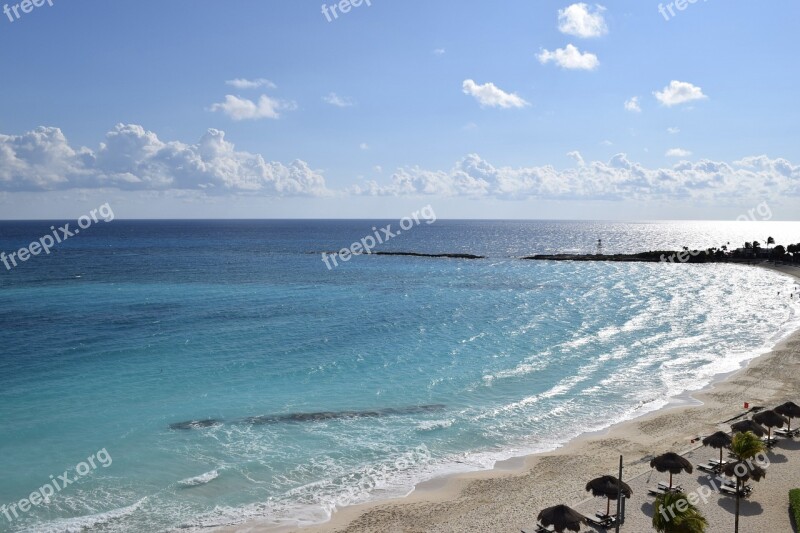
[752,250]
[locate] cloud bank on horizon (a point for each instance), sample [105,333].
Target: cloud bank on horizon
[134,159]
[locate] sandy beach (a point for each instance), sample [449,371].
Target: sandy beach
[509,497]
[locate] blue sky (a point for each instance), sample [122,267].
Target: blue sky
[513,109]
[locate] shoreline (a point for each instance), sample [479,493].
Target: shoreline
[504,498]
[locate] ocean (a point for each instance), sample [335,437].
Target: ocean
[218,371]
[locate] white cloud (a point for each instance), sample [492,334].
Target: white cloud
[489,95]
[678,152]
[616,179]
[40,159]
[468,179]
[132,158]
[632,104]
[673,131]
[338,101]
[577,157]
[243,109]
[439,52]
[606,142]
[582,20]
[241,83]
[679,92]
[570,58]
[364,146]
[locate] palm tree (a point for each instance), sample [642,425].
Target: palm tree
[674,514]
[770,240]
[745,447]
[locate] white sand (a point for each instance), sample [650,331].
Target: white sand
[505,501]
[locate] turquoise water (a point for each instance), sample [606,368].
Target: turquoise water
[324,388]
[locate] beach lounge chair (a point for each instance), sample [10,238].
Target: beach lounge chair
[717,462]
[603,524]
[538,528]
[770,443]
[788,434]
[731,491]
[732,484]
[603,520]
[710,468]
[663,488]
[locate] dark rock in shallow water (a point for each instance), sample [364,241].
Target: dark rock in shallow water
[339,415]
[665,256]
[314,417]
[630,258]
[448,256]
[196,424]
[417,254]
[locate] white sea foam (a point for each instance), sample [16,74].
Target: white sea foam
[202,479]
[430,425]
[82,524]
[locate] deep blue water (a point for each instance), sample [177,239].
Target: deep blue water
[131,326]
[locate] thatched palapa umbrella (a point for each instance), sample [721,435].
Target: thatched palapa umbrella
[608,487]
[561,518]
[789,410]
[672,463]
[720,440]
[744,471]
[770,419]
[748,425]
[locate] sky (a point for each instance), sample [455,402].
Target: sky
[532,109]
